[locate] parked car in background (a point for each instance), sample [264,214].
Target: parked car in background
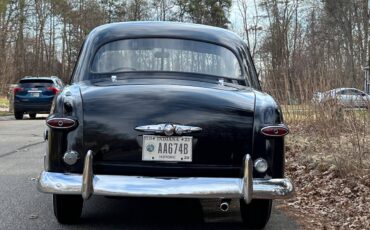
[347,97]
[167,110]
[35,95]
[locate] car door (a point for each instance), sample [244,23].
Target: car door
[360,98]
[343,97]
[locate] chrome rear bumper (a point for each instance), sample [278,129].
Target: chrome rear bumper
[192,187]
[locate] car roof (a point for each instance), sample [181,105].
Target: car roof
[176,30]
[122,30]
[39,78]
[340,89]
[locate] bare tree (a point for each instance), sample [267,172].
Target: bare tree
[250,27]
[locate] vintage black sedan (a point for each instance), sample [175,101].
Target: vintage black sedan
[169,110]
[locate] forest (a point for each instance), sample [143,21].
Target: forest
[300,47]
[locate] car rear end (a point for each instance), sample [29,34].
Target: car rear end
[167,118]
[34,95]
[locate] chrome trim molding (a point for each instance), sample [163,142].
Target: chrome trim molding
[61,119]
[87,184]
[168,129]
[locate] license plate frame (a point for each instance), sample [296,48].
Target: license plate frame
[167,148]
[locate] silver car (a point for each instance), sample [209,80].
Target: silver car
[348,97]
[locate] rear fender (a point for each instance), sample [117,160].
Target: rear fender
[267,113]
[67,104]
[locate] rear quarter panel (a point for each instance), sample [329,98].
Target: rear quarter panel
[268,112]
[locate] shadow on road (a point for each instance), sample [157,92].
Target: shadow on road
[145,213]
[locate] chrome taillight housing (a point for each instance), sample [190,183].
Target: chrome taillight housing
[61,123]
[275,130]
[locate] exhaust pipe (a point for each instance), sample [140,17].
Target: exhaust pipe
[224,205]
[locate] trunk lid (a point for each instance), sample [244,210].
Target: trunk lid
[112,112]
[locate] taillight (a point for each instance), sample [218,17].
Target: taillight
[55,90]
[61,123]
[275,131]
[17,89]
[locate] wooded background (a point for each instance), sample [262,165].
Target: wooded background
[299,46]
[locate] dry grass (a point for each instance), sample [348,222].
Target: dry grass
[332,137]
[4,102]
[5,113]
[4,106]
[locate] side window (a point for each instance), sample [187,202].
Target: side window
[355,92]
[343,92]
[251,75]
[350,92]
[247,74]
[56,84]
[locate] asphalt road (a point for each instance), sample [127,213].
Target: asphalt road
[23,207]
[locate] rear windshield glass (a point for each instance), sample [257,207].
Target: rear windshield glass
[35,83]
[162,54]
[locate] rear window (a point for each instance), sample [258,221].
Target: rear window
[35,83]
[162,54]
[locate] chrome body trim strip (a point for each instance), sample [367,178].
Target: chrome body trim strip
[280,126]
[87,184]
[161,129]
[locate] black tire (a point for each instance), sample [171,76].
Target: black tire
[67,208]
[18,115]
[32,115]
[256,214]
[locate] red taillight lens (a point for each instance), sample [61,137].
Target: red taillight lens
[55,90]
[17,89]
[275,131]
[61,123]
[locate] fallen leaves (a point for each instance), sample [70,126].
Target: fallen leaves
[325,197]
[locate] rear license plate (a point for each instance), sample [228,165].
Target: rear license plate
[35,94]
[162,148]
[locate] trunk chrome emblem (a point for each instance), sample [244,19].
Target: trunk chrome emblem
[168,129]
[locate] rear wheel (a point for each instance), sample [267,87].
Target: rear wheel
[255,214]
[67,208]
[32,115]
[18,115]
